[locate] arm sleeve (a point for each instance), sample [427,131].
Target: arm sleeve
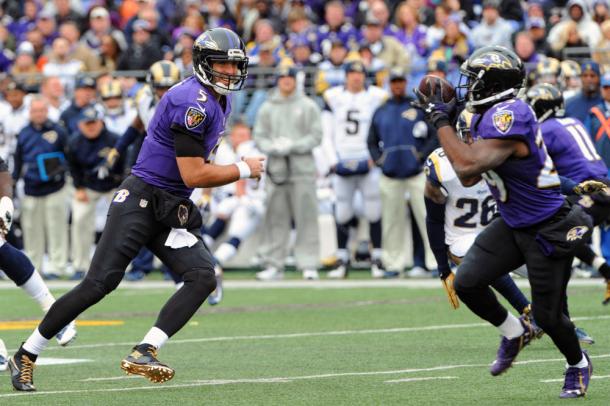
[185,144]
[128,137]
[567,185]
[435,225]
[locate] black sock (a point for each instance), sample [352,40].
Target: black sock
[21,351]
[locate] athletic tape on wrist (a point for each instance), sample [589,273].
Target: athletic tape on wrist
[244,170]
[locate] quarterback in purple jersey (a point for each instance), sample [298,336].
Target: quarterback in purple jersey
[575,157]
[537,226]
[152,208]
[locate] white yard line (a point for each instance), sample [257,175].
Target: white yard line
[307,334]
[111,378]
[423,378]
[284,379]
[561,379]
[432,283]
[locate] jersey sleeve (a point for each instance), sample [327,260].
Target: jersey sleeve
[513,119]
[432,168]
[191,118]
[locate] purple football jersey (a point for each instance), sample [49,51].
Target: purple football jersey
[572,150]
[527,189]
[188,105]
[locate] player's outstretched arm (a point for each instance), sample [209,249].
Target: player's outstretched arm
[195,172]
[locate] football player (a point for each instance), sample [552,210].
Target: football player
[537,226]
[456,214]
[346,120]
[118,112]
[18,267]
[569,78]
[547,71]
[152,208]
[570,146]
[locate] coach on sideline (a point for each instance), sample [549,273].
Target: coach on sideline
[398,141]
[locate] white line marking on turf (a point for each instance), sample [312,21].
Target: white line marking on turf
[423,378]
[61,361]
[276,379]
[308,334]
[561,379]
[111,378]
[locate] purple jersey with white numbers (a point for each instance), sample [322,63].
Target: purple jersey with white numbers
[188,105]
[527,189]
[572,150]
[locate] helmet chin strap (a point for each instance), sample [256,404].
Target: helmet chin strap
[473,104]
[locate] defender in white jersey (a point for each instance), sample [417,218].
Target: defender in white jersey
[456,214]
[119,113]
[347,117]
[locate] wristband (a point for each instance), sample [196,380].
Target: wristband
[244,170]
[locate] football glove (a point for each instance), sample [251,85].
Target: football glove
[103,170]
[437,112]
[589,187]
[448,285]
[6,215]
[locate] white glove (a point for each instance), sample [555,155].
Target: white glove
[6,214]
[102,172]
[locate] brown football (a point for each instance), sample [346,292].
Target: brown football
[429,83]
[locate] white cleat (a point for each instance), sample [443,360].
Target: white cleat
[311,274]
[216,296]
[270,274]
[338,273]
[377,271]
[67,334]
[3,356]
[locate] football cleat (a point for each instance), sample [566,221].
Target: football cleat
[583,337]
[527,314]
[143,361]
[418,272]
[340,272]
[3,356]
[607,296]
[311,274]
[216,296]
[510,348]
[377,269]
[22,372]
[270,274]
[67,334]
[577,380]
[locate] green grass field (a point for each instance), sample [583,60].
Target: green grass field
[322,345]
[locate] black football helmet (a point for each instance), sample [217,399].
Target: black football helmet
[219,45]
[491,74]
[546,100]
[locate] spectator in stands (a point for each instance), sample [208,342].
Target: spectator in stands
[141,54]
[79,50]
[436,31]
[40,161]
[331,71]
[526,49]
[100,25]
[63,64]
[379,10]
[27,22]
[159,37]
[336,28]
[577,15]
[511,11]
[579,105]
[53,90]
[454,47]
[600,11]
[384,47]
[299,26]
[399,140]
[493,28]
[86,150]
[24,67]
[65,13]
[183,53]
[17,117]
[217,14]
[411,33]
[110,53]
[264,33]
[84,94]
[45,23]
[569,43]
[601,54]
[536,27]
[288,127]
